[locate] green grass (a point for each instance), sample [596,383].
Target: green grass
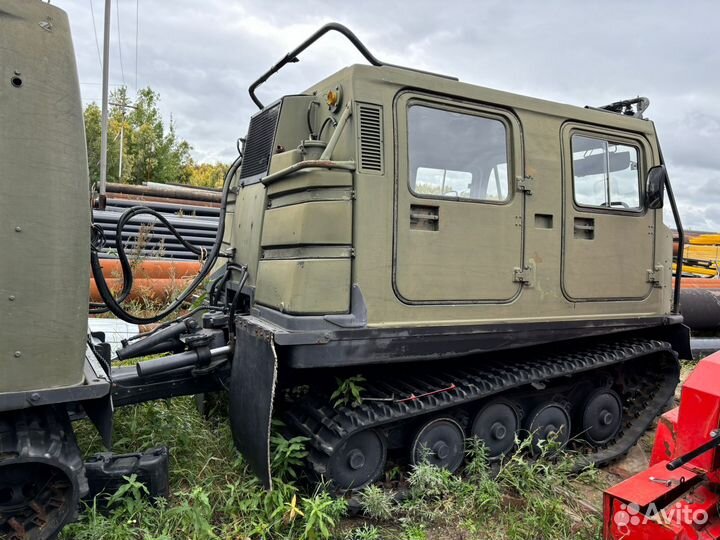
[214,496]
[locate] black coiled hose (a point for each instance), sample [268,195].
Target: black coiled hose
[113,304]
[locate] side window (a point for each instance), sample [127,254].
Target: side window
[605,173]
[455,155]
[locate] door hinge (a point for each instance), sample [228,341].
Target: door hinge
[525,183]
[525,275]
[655,276]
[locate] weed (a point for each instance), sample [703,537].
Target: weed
[542,518]
[131,497]
[214,495]
[366,532]
[415,532]
[349,392]
[322,514]
[485,493]
[394,473]
[288,455]
[543,475]
[477,462]
[428,482]
[193,514]
[377,503]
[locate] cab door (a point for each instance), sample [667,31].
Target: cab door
[458,221]
[608,235]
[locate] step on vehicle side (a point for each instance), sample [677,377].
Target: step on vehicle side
[490,264]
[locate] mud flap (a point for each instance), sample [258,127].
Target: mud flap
[252,389]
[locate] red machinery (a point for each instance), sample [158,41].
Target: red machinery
[678,496]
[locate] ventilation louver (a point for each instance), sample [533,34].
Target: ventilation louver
[259,145]
[370,137]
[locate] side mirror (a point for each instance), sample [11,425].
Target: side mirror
[655,187]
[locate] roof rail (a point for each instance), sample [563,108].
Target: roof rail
[628,107]
[292,57]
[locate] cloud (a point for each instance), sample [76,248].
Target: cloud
[202,56]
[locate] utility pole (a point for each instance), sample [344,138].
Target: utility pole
[105,84]
[122,136]
[123,106]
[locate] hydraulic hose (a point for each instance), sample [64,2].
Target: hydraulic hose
[236,300]
[113,304]
[217,285]
[97,243]
[159,327]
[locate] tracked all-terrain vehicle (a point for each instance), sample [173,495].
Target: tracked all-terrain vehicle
[491,265]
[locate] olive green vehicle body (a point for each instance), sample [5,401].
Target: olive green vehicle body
[345,255]
[349,245]
[44,213]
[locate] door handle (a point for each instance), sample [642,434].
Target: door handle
[584,228]
[424,218]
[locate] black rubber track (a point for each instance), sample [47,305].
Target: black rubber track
[42,438]
[328,427]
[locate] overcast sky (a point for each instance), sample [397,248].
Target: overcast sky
[202,55]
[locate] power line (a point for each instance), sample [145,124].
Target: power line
[117,9]
[97,43]
[137,34]
[99,83]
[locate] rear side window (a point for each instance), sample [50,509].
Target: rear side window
[605,173]
[456,155]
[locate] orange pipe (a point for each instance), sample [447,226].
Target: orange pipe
[155,280]
[146,198]
[157,289]
[149,269]
[699,283]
